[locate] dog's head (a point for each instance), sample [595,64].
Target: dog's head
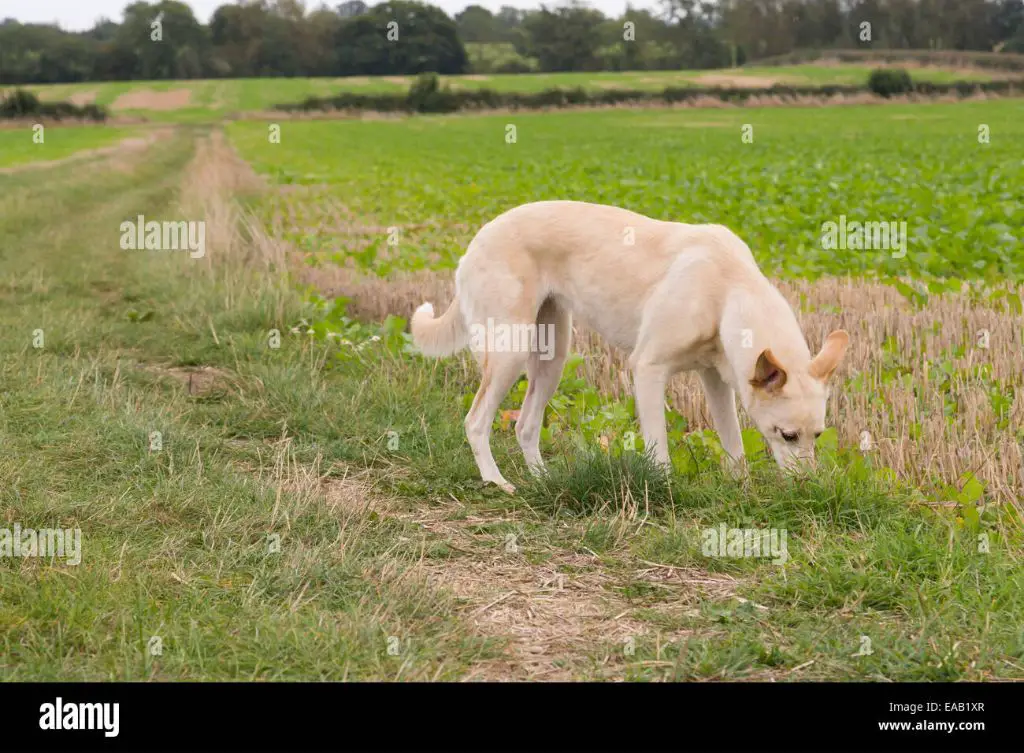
[787,401]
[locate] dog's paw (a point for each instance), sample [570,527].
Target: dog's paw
[537,468]
[502,484]
[737,468]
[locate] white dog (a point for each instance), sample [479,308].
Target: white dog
[677,296]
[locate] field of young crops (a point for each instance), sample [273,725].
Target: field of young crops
[177,100]
[23,146]
[440,179]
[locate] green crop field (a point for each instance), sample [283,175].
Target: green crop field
[802,168]
[23,146]
[204,99]
[271,485]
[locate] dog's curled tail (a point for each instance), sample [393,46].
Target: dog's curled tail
[439,336]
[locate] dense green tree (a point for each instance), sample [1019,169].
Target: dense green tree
[160,40]
[477,24]
[564,39]
[400,37]
[283,38]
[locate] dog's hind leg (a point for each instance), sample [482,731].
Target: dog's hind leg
[501,369]
[544,370]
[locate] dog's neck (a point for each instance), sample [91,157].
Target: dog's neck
[736,369]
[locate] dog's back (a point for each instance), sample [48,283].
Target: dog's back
[598,261]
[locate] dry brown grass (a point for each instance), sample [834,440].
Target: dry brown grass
[557,620]
[245,260]
[211,187]
[552,619]
[970,440]
[146,99]
[735,79]
[81,98]
[554,622]
[197,380]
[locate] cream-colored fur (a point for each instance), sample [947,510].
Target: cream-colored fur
[676,296]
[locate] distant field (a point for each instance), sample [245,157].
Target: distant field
[185,100]
[17,146]
[683,166]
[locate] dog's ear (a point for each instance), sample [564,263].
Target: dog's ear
[768,373]
[832,352]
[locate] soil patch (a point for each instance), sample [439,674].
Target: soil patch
[147,99]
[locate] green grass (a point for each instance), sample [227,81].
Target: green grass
[176,541]
[212,98]
[18,146]
[857,552]
[922,164]
[864,560]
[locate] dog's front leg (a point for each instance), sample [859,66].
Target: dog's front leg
[722,404]
[649,382]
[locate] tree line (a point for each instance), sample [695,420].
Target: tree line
[267,38]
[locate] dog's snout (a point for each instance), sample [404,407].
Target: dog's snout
[796,461]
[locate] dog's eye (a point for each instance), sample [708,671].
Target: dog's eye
[789,436]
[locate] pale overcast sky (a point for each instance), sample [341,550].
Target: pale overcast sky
[81,14]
